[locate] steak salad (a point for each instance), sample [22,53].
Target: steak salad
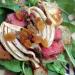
[35,40]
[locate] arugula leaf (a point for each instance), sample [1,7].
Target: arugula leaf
[55,68]
[61,58]
[69,49]
[49,0]
[31,2]
[9,4]
[67,5]
[65,17]
[12,65]
[1,18]
[27,70]
[1,11]
[52,73]
[7,7]
[1,15]
[12,7]
[21,73]
[70,26]
[73,48]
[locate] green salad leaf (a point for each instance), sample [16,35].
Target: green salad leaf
[1,11]
[11,65]
[67,5]
[73,48]
[27,70]
[52,73]
[12,7]
[69,50]
[65,18]
[6,8]
[70,26]
[62,59]
[17,66]
[1,15]
[31,2]
[58,66]
[9,4]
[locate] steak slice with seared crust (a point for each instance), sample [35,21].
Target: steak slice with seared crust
[4,55]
